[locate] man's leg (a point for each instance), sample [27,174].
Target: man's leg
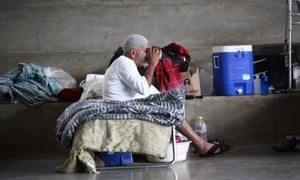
[201,145]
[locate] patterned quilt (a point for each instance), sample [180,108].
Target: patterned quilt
[130,135]
[165,109]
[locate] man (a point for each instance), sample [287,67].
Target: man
[122,81]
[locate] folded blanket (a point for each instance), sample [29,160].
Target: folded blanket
[165,109]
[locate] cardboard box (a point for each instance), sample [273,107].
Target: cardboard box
[296,72]
[191,80]
[297,83]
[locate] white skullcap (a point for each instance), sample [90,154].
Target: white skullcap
[134,41]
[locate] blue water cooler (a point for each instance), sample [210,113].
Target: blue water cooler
[232,70]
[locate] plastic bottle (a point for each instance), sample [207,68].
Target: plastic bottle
[201,128]
[264,84]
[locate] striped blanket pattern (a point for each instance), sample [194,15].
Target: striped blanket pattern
[165,108]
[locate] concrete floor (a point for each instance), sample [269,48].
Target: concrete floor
[241,162]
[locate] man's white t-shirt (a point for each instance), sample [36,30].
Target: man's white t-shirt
[122,81]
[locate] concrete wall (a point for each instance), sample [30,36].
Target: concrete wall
[248,119]
[81,36]
[29,130]
[239,119]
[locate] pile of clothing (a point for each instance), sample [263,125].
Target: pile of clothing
[32,85]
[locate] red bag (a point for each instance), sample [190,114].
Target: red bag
[179,55]
[167,75]
[69,94]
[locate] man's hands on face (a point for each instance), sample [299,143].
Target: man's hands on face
[154,56]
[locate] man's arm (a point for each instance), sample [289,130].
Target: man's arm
[154,56]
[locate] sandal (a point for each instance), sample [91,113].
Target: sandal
[217,141]
[287,145]
[213,141]
[216,149]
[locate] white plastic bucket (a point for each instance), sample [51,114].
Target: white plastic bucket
[182,150]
